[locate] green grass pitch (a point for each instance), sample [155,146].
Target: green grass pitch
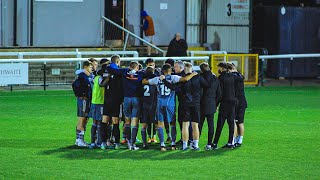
[281,141]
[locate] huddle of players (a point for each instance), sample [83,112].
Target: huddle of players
[149,96]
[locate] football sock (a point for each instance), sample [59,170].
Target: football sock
[173,135]
[240,139]
[81,135]
[93,133]
[161,135]
[134,134]
[98,133]
[144,136]
[196,143]
[154,130]
[149,130]
[103,132]
[185,144]
[127,129]
[116,133]
[109,129]
[78,133]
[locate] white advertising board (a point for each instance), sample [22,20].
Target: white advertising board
[14,73]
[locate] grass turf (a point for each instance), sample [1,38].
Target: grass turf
[281,141]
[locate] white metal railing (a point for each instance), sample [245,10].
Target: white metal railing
[132,34]
[286,56]
[76,53]
[47,60]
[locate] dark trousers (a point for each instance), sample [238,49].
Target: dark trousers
[210,121]
[226,112]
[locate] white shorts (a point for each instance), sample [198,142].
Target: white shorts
[148,38]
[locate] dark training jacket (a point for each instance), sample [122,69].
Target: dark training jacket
[240,94]
[190,90]
[228,83]
[210,95]
[177,48]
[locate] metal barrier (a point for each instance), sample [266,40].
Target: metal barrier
[76,53]
[247,64]
[132,34]
[61,71]
[286,56]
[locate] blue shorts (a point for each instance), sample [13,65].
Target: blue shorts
[132,107]
[166,113]
[83,107]
[96,111]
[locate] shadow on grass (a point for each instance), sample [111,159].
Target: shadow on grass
[153,153]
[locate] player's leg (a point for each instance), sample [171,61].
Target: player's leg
[146,125]
[185,134]
[104,131]
[220,123]
[161,118]
[167,127]
[240,126]
[135,114]
[82,113]
[230,121]
[210,121]
[144,134]
[195,115]
[116,131]
[185,128]
[127,124]
[202,119]
[170,115]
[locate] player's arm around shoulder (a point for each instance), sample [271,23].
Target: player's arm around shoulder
[153,81]
[188,77]
[116,71]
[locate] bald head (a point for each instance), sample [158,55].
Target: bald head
[178,36]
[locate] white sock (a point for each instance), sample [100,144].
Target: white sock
[162,144]
[173,143]
[196,143]
[185,144]
[240,139]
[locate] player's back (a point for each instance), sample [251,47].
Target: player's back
[191,91]
[166,96]
[149,92]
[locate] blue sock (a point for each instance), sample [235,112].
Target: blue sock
[173,135]
[134,134]
[161,136]
[144,136]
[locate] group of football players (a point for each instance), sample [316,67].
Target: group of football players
[109,95]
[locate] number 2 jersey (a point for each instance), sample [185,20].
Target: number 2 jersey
[149,92]
[166,97]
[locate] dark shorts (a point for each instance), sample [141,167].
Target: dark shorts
[111,109]
[148,113]
[180,113]
[239,115]
[83,107]
[132,107]
[191,114]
